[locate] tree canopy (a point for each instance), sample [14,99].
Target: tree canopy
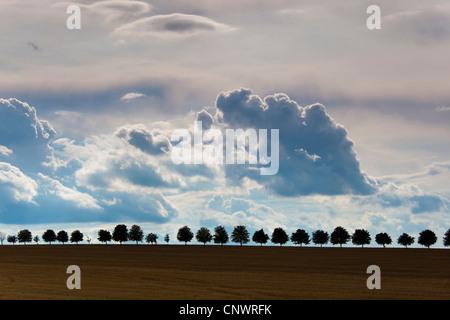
[260,237]
[427,238]
[220,235]
[361,237]
[49,236]
[203,235]
[76,236]
[300,237]
[104,236]
[185,235]
[136,234]
[62,236]
[279,236]
[120,233]
[383,239]
[240,235]
[339,236]
[320,237]
[24,236]
[405,240]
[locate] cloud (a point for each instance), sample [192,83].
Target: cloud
[15,186]
[78,199]
[113,10]
[424,25]
[151,142]
[171,25]
[22,132]
[316,155]
[131,95]
[442,109]
[4,151]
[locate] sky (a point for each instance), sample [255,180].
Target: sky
[86,116]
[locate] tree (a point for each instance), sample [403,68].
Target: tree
[2,237]
[49,236]
[320,237]
[260,237]
[76,236]
[24,236]
[36,239]
[203,235]
[120,233]
[184,235]
[279,236]
[104,236]
[136,233]
[361,237]
[427,238]
[167,238]
[300,237]
[88,239]
[240,235]
[151,238]
[11,239]
[383,239]
[405,240]
[446,239]
[220,235]
[62,236]
[339,236]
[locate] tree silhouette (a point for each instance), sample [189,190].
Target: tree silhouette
[383,239]
[76,236]
[62,236]
[427,238]
[24,236]
[405,240]
[203,235]
[2,237]
[36,239]
[260,237]
[320,237]
[136,233]
[167,238]
[446,239]
[361,237]
[279,236]
[240,235]
[151,238]
[104,236]
[300,237]
[220,235]
[49,236]
[120,233]
[11,239]
[185,235]
[339,236]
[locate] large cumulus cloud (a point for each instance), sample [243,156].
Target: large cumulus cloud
[316,155]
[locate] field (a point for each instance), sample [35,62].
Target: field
[228,272]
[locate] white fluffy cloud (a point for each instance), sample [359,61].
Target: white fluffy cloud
[78,199]
[131,95]
[15,186]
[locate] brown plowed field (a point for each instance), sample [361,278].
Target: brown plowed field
[215,272]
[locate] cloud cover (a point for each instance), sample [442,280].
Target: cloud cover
[316,155]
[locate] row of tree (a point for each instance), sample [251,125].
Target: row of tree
[240,234]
